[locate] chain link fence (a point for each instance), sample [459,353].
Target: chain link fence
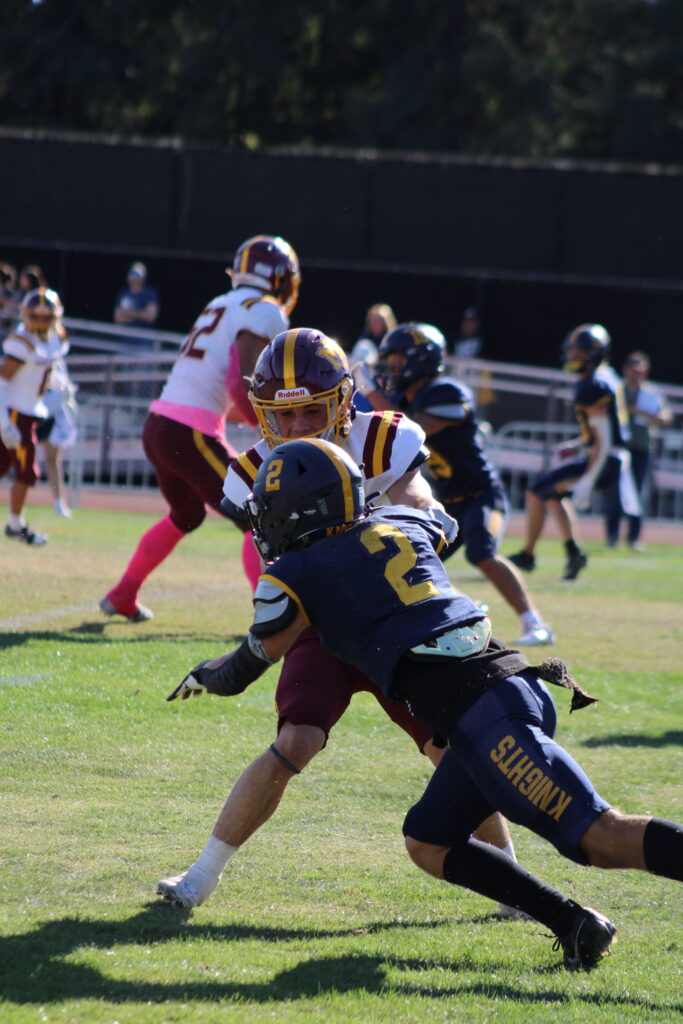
[526,411]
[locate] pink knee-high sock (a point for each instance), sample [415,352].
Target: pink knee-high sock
[153,547]
[251,562]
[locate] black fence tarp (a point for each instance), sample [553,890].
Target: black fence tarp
[538,248]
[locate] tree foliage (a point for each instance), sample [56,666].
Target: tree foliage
[592,79]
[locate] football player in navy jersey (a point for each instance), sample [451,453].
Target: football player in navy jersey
[302,387]
[459,471]
[394,615]
[598,459]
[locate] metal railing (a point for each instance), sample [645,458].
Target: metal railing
[527,411]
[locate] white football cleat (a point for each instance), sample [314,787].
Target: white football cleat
[62,510]
[539,636]
[26,536]
[140,614]
[189,889]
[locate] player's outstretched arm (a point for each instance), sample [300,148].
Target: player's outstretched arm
[232,673]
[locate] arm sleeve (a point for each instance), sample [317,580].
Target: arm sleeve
[237,389]
[274,610]
[242,666]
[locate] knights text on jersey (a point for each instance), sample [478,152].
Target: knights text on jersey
[26,388]
[458,466]
[384,444]
[600,389]
[392,594]
[198,375]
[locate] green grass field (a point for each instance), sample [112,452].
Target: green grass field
[106,787]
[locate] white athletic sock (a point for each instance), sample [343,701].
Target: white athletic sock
[213,858]
[16,522]
[530,620]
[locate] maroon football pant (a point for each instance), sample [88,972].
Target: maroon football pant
[22,458]
[190,468]
[315,688]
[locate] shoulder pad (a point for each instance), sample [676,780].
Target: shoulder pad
[274,610]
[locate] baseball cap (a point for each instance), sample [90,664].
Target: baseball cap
[137,270]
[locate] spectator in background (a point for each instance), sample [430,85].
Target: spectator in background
[647,409]
[379,319]
[30,278]
[469,343]
[137,305]
[9,309]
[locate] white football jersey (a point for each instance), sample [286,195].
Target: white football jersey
[198,375]
[383,444]
[37,355]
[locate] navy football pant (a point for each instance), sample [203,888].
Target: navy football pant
[502,757]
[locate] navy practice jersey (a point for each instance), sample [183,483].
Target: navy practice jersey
[373,591]
[458,466]
[602,388]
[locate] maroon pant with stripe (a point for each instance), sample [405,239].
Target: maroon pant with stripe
[190,468]
[23,458]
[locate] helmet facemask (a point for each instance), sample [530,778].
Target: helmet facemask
[304,491]
[336,402]
[39,311]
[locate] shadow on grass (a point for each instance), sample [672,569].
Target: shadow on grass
[34,969]
[670,738]
[94,632]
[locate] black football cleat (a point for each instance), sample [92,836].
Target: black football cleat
[523,560]
[588,941]
[575,563]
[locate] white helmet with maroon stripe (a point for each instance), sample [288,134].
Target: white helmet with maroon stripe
[268,262]
[40,311]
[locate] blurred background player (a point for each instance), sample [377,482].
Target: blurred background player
[9,310]
[648,410]
[184,433]
[30,352]
[59,432]
[459,471]
[302,387]
[598,458]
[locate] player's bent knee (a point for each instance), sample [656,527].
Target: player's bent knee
[299,743]
[607,840]
[426,856]
[188,524]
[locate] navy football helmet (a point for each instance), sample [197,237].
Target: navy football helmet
[423,345]
[302,367]
[268,262]
[585,348]
[304,490]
